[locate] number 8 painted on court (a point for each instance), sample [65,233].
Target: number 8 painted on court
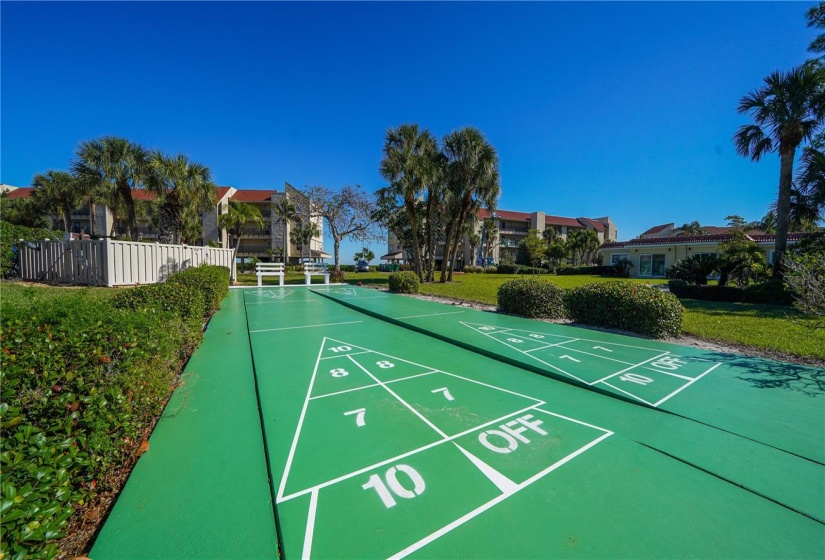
[339,372]
[385,364]
[395,486]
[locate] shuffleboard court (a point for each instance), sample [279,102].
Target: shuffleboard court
[776,403]
[402,444]
[381,441]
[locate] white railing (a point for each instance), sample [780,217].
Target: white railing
[107,262]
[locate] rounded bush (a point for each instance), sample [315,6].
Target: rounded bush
[491,270]
[627,306]
[531,297]
[336,276]
[773,291]
[404,282]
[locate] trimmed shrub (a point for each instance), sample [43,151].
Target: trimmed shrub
[627,306]
[212,281]
[336,276]
[491,270]
[531,297]
[773,291]
[470,269]
[404,282]
[685,290]
[577,270]
[347,267]
[519,269]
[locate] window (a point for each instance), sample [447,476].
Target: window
[651,265]
[619,256]
[770,258]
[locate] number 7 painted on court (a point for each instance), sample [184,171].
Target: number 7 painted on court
[445,391]
[359,416]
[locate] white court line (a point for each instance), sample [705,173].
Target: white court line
[313,505]
[363,297]
[339,356]
[402,456]
[288,301]
[573,420]
[550,345]
[548,364]
[600,356]
[307,326]
[688,384]
[603,379]
[504,484]
[300,423]
[481,509]
[385,355]
[402,401]
[670,373]
[372,384]
[638,398]
[428,315]
[491,386]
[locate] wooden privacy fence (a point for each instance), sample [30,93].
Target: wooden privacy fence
[106,262]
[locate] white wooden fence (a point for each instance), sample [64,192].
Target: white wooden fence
[106,262]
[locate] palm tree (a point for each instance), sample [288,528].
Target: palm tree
[408,166]
[59,190]
[693,228]
[473,240]
[489,237]
[238,217]
[766,225]
[786,111]
[550,235]
[184,188]
[473,179]
[122,164]
[284,211]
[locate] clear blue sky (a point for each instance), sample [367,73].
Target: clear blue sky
[619,109]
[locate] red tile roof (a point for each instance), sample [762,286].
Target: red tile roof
[484,213]
[22,192]
[598,226]
[220,192]
[657,229]
[561,221]
[717,238]
[253,195]
[143,194]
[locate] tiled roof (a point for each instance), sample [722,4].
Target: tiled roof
[22,192]
[718,238]
[561,221]
[143,194]
[504,215]
[220,192]
[598,226]
[253,195]
[657,229]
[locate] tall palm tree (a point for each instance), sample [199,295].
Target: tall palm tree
[550,235]
[238,217]
[408,165]
[184,188]
[122,164]
[786,111]
[59,190]
[284,211]
[473,240]
[473,178]
[766,225]
[489,237]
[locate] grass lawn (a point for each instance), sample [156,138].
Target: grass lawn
[767,327]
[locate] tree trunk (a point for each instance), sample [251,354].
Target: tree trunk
[448,239]
[336,245]
[126,194]
[783,209]
[67,218]
[410,206]
[91,216]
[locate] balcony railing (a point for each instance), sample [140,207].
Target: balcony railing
[514,231]
[253,249]
[257,233]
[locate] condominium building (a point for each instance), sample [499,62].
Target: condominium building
[512,228]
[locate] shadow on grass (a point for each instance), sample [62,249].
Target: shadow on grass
[717,308]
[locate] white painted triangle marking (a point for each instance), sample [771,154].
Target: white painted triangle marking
[503,483]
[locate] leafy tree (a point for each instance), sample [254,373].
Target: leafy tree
[583,243]
[532,249]
[767,224]
[473,179]
[474,241]
[557,252]
[365,254]
[184,188]
[693,228]
[302,234]
[786,111]
[238,217]
[550,235]
[284,212]
[816,18]
[348,214]
[27,212]
[59,190]
[736,221]
[121,164]
[409,166]
[741,259]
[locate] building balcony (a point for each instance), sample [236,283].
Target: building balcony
[514,231]
[257,233]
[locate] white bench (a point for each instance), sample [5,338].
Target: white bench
[315,269]
[269,269]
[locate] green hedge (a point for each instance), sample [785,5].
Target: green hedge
[212,281]
[578,270]
[531,297]
[627,306]
[404,282]
[520,269]
[83,373]
[774,292]
[11,234]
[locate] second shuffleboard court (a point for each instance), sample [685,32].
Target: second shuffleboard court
[419,436]
[648,375]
